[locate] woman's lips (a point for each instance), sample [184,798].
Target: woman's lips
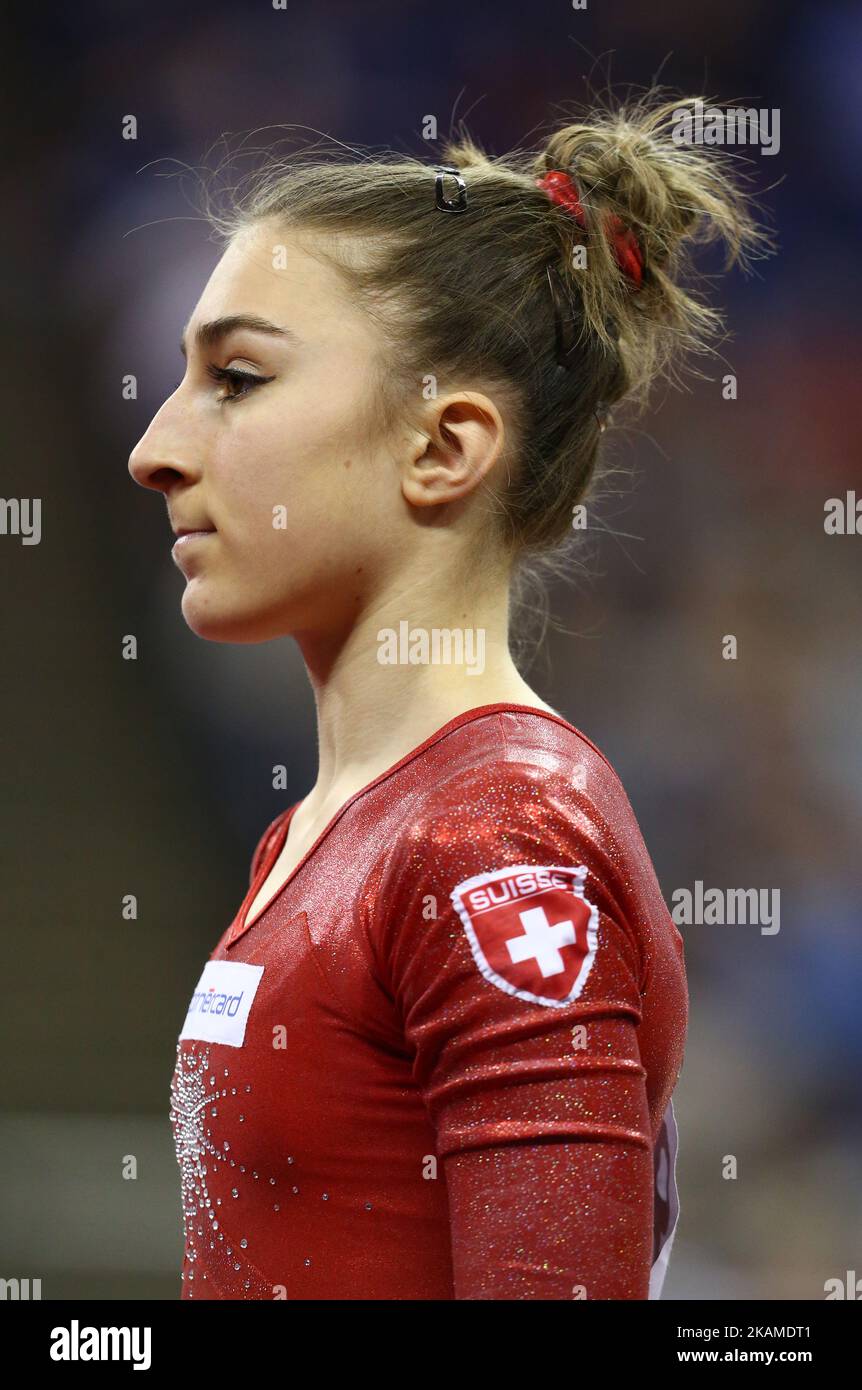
[186,537]
[185,547]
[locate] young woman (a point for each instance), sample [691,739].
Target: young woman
[432,1056]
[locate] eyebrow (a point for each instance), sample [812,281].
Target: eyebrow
[207,335]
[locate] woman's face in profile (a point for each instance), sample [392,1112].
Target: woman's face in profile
[276,468]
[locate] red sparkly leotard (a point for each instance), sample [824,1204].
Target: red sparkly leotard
[439,1063]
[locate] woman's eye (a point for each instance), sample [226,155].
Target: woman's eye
[239,383]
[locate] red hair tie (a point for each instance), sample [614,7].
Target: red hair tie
[561,189]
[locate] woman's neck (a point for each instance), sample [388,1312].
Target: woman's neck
[394,681]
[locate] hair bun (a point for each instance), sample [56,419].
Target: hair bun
[639,186]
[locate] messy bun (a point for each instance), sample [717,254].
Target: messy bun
[672,197]
[465,300]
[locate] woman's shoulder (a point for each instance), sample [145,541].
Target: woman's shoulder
[512,758]
[517,786]
[521,808]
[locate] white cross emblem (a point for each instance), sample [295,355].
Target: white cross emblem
[541,941]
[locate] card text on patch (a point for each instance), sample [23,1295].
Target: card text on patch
[220,1005]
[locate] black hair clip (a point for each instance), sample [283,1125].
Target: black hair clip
[458,204]
[564,341]
[563,322]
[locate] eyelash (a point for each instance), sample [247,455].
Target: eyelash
[232,377]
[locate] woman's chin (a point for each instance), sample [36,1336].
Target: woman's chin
[211,621]
[216,622]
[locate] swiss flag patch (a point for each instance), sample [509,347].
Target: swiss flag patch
[531,930]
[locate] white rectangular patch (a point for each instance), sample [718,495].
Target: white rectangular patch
[221,1002]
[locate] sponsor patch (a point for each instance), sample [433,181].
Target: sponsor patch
[531,930]
[220,1005]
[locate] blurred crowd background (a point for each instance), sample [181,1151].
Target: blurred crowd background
[154,776]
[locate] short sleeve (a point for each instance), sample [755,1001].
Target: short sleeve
[519,983]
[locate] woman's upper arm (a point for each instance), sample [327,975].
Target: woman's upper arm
[519,985]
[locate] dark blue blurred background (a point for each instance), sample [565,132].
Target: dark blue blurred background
[154,777]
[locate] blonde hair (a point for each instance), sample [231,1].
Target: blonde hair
[465,298]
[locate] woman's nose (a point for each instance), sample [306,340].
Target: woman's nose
[151,472]
[156,463]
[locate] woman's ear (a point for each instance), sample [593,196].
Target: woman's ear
[463,439]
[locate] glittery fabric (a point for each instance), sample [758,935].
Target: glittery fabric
[396,1125]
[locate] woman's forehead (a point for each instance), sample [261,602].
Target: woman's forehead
[266,272]
[263,260]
